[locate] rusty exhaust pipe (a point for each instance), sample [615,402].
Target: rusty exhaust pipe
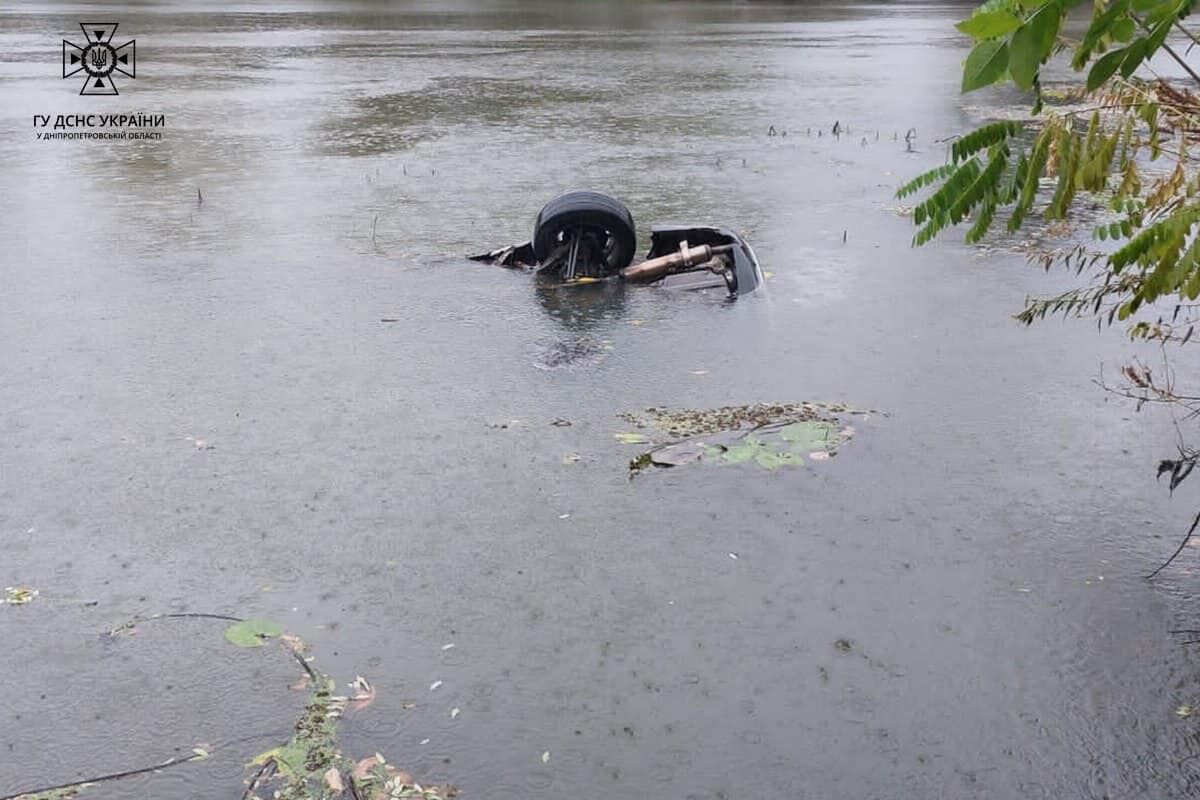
[687,257]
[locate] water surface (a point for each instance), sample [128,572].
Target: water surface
[981,546]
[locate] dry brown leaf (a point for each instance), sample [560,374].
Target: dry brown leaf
[294,643]
[301,684]
[362,770]
[333,779]
[367,767]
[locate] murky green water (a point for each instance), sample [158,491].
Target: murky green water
[351,486]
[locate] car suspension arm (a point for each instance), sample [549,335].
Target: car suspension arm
[687,258]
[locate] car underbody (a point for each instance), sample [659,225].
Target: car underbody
[586,237]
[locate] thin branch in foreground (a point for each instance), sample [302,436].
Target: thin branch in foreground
[170,762]
[264,774]
[133,623]
[1187,538]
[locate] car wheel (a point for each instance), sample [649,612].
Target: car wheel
[591,211]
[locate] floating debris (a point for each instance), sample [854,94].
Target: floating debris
[768,435]
[333,779]
[689,422]
[19,595]
[310,764]
[364,693]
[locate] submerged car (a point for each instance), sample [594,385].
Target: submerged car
[585,237]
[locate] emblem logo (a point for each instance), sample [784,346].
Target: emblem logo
[99,59]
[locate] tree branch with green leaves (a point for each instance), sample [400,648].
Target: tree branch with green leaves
[1111,153]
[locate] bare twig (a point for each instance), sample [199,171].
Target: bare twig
[133,623]
[1188,34]
[312,673]
[170,762]
[264,774]
[1187,538]
[1169,50]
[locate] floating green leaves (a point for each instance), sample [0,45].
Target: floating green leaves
[310,764]
[762,454]
[680,423]
[767,436]
[252,632]
[290,759]
[817,434]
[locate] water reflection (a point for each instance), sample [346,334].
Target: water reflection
[582,308]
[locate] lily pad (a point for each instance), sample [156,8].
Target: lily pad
[770,459]
[252,632]
[740,454]
[762,453]
[816,434]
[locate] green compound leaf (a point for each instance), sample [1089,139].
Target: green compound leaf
[1103,69]
[989,25]
[986,64]
[1032,43]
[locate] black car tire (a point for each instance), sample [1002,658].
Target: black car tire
[589,210]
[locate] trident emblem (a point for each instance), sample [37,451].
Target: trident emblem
[98,59]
